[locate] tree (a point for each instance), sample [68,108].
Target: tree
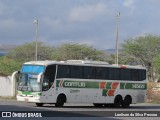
[70,51]
[143,50]
[26,52]
[157,66]
[8,66]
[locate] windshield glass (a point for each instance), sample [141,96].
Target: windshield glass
[28,82]
[36,69]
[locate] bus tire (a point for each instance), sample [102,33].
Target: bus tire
[127,101]
[61,99]
[108,105]
[39,104]
[118,101]
[97,104]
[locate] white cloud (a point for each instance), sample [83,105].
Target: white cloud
[128,3]
[87,12]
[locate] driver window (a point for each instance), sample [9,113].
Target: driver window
[49,77]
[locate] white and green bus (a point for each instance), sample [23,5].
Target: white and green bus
[81,81]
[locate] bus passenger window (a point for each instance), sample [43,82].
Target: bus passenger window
[114,73]
[76,72]
[63,71]
[135,75]
[125,74]
[89,72]
[102,73]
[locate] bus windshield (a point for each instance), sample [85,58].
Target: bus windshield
[28,82]
[28,78]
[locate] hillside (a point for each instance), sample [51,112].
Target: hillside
[6,48]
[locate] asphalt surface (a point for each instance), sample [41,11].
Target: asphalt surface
[78,111]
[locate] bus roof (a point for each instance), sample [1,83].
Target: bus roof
[81,63]
[45,62]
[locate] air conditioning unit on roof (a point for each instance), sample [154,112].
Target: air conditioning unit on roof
[87,62]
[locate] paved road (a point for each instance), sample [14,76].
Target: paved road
[87,111]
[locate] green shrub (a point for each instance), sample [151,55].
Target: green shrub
[8,66]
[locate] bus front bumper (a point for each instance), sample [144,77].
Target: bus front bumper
[29,99]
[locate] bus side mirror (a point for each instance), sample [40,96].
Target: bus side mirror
[39,77]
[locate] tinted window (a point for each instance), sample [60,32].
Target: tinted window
[89,72]
[63,71]
[125,74]
[76,72]
[142,74]
[102,73]
[135,75]
[114,74]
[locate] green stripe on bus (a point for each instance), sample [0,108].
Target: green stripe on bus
[108,85]
[28,93]
[92,85]
[122,85]
[89,84]
[76,84]
[104,92]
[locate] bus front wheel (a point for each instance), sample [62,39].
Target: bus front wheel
[61,99]
[39,104]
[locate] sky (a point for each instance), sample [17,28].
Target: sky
[91,22]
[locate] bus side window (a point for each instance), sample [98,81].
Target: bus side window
[114,73]
[142,75]
[93,73]
[76,72]
[102,73]
[63,71]
[86,72]
[89,72]
[135,75]
[125,74]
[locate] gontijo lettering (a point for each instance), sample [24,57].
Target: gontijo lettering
[74,84]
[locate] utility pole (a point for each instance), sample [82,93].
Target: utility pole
[36,24]
[117,26]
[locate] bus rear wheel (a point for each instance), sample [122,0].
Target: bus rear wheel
[61,99]
[118,101]
[39,104]
[127,101]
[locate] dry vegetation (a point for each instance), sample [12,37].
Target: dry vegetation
[153,92]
